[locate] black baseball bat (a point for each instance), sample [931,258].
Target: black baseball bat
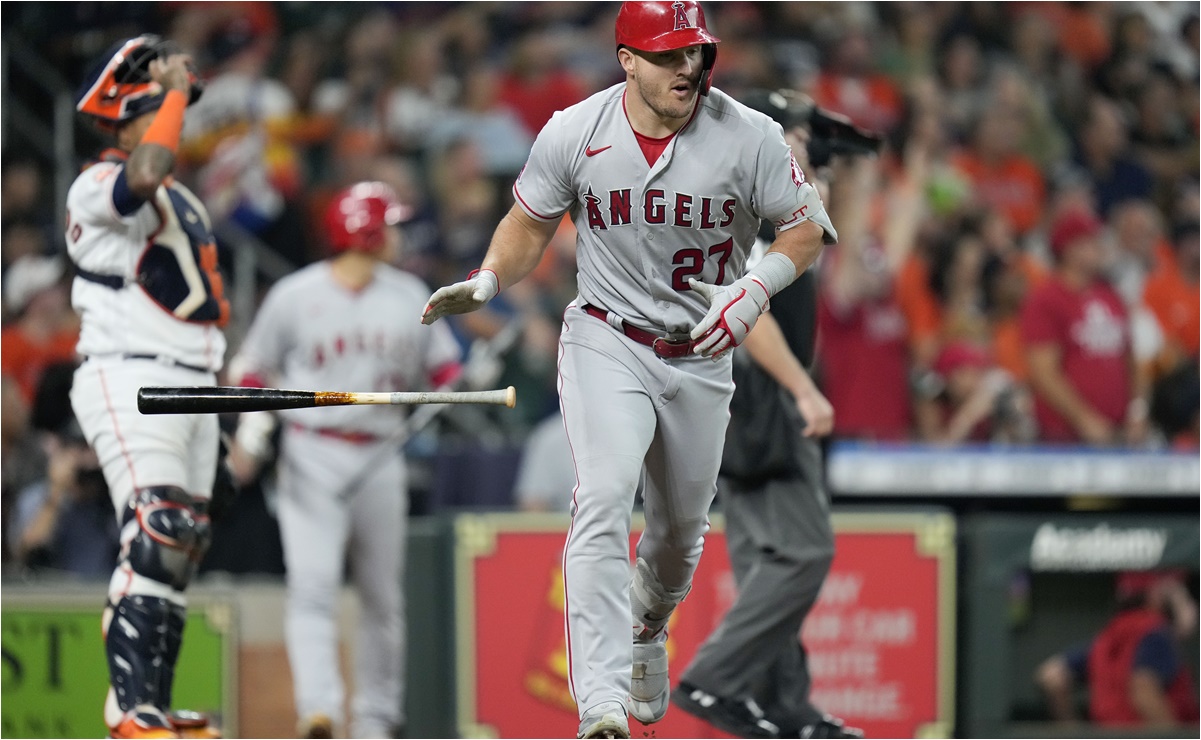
[227,399]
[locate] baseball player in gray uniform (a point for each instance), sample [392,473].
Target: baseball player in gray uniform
[666,181]
[342,490]
[152,308]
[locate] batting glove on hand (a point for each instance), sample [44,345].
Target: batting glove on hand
[733,311]
[480,287]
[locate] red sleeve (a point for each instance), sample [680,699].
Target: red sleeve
[445,374]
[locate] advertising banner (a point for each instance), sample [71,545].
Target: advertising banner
[880,638]
[55,675]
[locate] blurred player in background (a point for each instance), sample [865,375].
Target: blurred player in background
[152,308]
[338,325]
[666,181]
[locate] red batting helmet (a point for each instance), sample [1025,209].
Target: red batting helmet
[358,216]
[663,26]
[119,87]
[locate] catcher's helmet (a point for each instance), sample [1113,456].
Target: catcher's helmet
[663,26]
[357,217]
[119,87]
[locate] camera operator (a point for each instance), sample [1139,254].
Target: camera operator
[64,522]
[750,678]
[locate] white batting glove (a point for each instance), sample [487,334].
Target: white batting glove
[480,287]
[733,311]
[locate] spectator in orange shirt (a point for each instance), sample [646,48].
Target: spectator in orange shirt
[1009,274]
[848,84]
[1171,292]
[46,328]
[1002,177]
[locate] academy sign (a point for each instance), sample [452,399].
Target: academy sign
[1097,548]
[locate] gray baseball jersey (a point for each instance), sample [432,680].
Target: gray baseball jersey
[636,420]
[312,333]
[644,230]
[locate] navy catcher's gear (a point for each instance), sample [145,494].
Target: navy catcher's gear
[173,535]
[142,644]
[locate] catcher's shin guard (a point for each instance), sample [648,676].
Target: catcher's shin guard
[165,533]
[142,644]
[172,535]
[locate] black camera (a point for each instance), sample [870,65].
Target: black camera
[830,133]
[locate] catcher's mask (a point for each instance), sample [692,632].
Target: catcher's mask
[664,26]
[119,88]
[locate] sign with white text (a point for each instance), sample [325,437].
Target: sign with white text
[880,639]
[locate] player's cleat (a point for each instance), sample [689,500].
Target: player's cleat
[828,726]
[605,720]
[192,725]
[650,689]
[316,726]
[143,722]
[741,718]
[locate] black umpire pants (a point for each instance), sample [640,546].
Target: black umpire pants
[781,544]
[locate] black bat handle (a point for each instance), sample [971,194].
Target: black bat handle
[219,399]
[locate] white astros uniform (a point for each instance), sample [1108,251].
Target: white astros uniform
[154,323]
[632,416]
[311,333]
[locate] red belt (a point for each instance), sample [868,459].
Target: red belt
[356,438]
[662,347]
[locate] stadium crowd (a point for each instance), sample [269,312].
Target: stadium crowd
[1018,265]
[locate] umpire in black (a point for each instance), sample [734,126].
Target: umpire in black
[750,678]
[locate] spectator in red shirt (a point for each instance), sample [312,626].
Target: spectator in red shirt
[46,328]
[863,332]
[536,85]
[1134,669]
[1077,335]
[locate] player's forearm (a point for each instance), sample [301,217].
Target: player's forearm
[769,349]
[801,244]
[1149,700]
[154,156]
[1055,678]
[517,246]
[148,165]
[904,218]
